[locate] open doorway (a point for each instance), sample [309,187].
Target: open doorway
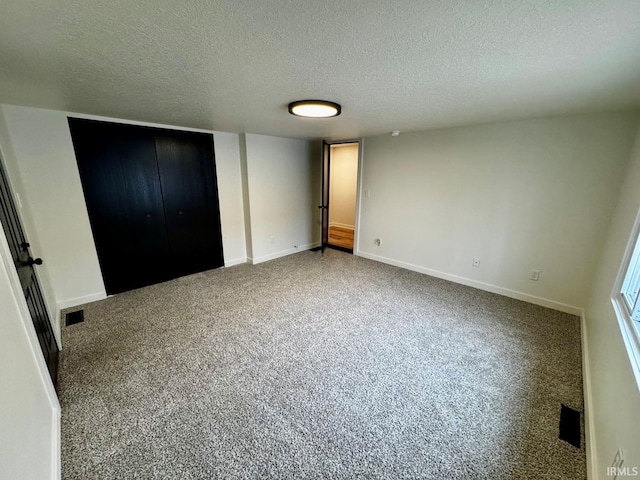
[343,183]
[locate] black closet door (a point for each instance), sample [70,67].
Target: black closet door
[186,164]
[119,174]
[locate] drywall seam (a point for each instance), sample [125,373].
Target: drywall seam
[544,302]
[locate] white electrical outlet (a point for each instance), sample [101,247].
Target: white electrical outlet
[535,275]
[475,263]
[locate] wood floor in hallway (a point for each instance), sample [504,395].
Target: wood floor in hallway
[341,237]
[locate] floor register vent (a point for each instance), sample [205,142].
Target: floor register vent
[570,426]
[74,317]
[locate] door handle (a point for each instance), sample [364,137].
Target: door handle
[33,261]
[321,206]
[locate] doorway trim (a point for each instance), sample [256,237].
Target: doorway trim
[360,143]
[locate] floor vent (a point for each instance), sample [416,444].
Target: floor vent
[570,426]
[74,317]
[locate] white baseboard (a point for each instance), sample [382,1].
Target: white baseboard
[589,426]
[343,225]
[235,261]
[74,302]
[283,253]
[544,302]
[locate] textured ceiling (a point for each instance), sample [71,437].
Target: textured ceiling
[234,65]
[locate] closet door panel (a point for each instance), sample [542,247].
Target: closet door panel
[186,165]
[119,174]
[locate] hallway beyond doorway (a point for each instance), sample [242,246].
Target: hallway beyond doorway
[341,237]
[343,185]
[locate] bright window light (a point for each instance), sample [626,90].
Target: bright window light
[626,300]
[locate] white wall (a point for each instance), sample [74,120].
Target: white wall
[535,194]
[227,151]
[342,185]
[44,160]
[282,176]
[614,406]
[46,164]
[24,212]
[29,410]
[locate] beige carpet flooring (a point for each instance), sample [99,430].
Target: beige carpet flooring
[318,366]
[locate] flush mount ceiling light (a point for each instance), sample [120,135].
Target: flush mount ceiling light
[314,109]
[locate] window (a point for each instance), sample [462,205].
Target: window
[631,285]
[626,300]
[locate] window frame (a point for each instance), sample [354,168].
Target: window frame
[624,303]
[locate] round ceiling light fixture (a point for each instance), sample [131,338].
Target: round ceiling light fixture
[314,109]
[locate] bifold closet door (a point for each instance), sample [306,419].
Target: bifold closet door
[190,191]
[119,174]
[152,198]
